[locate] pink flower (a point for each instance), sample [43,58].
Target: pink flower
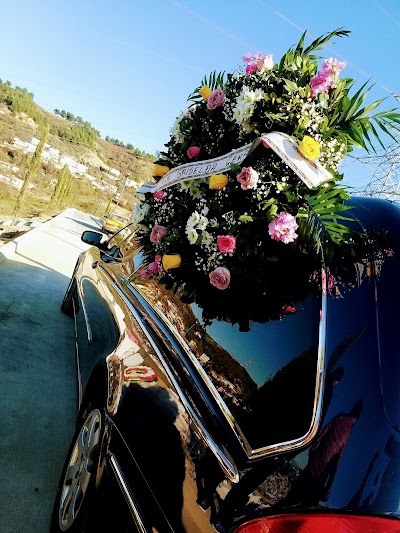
[226,243]
[144,274]
[327,77]
[193,151]
[283,228]
[330,283]
[247,58]
[321,83]
[220,278]
[251,67]
[333,65]
[248,178]
[158,233]
[216,99]
[265,144]
[265,63]
[152,268]
[288,309]
[159,195]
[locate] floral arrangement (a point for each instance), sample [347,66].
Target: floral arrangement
[248,243]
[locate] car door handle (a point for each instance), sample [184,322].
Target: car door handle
[95,264]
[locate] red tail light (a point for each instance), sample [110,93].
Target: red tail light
[320,523]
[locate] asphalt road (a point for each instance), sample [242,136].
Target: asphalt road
[38,394]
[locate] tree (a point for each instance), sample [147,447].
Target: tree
[31,171]
[57,112]
[62,188]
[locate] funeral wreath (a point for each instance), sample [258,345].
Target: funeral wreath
[247,211]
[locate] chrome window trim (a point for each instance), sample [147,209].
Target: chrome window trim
[271,449]
[226,462]
[127,495]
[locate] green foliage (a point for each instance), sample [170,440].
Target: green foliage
[136,151]
[213,81]
[32,170]
[19,100]
[62,188]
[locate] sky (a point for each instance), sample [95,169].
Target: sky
[128,66]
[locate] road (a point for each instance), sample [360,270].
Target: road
[37,369]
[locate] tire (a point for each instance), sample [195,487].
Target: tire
[67,305]
[79,478]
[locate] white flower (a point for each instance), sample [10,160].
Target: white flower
[195,191]
[192,235]
[185,185]
[265,63]
[213,223]
[193,220]
[175,130]
[206,238]
[139,212]
[203,223]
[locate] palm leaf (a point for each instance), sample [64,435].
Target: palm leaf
[325,40]
[213,81]
[321,223]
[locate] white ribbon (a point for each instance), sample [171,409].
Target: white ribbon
[310,172]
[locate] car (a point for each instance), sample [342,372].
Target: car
[113,223]
[194,425]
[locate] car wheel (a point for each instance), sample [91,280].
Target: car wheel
[77,487]
[67,305]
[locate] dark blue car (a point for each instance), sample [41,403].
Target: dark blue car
[187,426]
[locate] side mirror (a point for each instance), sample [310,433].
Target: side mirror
[92,237]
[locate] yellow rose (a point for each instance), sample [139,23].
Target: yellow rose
[309,147]
[160,170]
[218,181]
[171,261]
[205,92]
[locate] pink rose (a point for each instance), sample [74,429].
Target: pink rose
[144,274]
[248,178]
[153,268]
[283,228]
[265,63]
[251,67]
[220,278]
[159,195]
[158,233]
[193,151]
[216,99]
[226,243]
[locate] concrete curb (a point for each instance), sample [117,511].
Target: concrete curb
[10,248]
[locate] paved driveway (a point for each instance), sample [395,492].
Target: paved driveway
[38,395]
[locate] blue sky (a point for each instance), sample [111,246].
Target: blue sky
[128,66]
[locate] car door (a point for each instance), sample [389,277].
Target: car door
[99,314]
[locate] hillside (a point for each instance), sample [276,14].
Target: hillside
[109,169]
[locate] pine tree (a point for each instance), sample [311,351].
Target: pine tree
[61,178]
[31,172]
[63,187]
